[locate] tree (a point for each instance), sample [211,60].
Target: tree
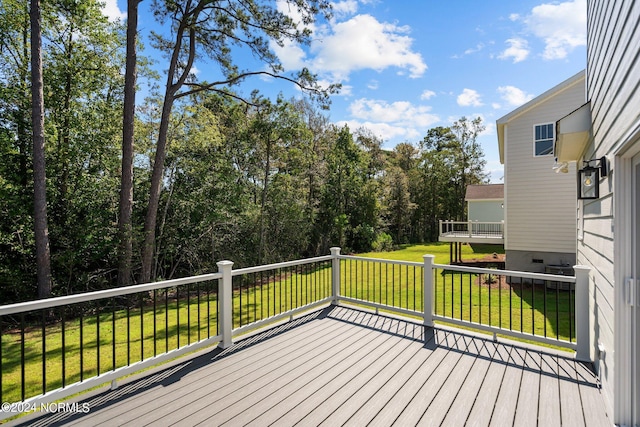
[434,178]
[470,156]
[215,28]
[398,205]
[43,258]
[83,86]
[17,245]
[349,208]
[125,225]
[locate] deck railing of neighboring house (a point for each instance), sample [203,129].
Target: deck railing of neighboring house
[56,347]
[471,229]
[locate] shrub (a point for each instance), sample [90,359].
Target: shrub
[383,243]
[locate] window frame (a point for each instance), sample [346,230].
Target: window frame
[553,137]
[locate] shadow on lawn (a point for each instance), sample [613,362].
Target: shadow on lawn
[555,305]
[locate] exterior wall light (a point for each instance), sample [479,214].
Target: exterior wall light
[589,178]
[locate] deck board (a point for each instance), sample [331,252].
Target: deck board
[336,377]
[549,405]
[528,399]
[505,406]
[452,387]
[569,394]
[591,397]
[468,393]
[414,412]
[344,366]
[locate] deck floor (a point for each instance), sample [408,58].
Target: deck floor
[342,366]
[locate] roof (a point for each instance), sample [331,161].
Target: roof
[502,121]
[485,192]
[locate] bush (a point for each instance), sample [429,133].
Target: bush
[383,243]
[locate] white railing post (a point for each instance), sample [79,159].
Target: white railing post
[427,292]
[225,296]
[440,226]
[335,275]
[583,316]
[470,228]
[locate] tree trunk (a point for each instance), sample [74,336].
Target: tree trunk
[125,226]
[39,176]
[172,88]
[263,201]
[156,187]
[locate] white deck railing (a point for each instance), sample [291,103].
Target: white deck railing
[472,229]
[433,292]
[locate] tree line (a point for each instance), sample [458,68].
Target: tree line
[197,172]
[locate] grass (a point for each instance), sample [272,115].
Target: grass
[141,331]
[469,297]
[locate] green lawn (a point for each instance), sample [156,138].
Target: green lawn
[468,297]
[141,331]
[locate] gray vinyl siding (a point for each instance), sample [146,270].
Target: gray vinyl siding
[541,204]
[485,211]
[613,68]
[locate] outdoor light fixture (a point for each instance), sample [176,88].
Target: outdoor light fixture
[589,178]
[560,167]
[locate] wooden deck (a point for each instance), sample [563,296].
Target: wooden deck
[342,366]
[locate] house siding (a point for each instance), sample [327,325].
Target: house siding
[613,83]
[485,210]
[541,205]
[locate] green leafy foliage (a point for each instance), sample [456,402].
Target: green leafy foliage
[244,178]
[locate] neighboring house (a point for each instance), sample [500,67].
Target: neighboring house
[485,203]
[484,224]
[607,132]
[539,205]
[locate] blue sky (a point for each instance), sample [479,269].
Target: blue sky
[407,66]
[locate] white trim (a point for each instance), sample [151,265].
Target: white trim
[622,405]
[501,123]
[553,138]
[576,78]
[21,307]
[505,211]
[635,311]
[484,200]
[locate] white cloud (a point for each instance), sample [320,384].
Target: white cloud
[361,42]
[518,50]
[489,127]
[514,96]
[469,97]
[373,84]
[384,131]
[400,112]
[391,120]
[111,10]
[495,106]
[514,17]
[427,94]
[291,55]
[347,7]
[478,48]
[345,90]
[285,7]
[562,26]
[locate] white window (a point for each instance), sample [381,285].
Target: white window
[543,138]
